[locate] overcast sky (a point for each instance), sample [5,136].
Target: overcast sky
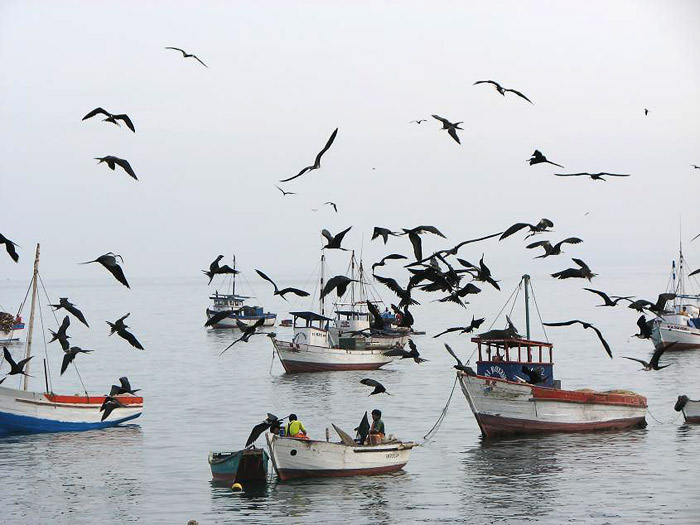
[210,144]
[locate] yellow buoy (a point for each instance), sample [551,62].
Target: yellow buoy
[236,487]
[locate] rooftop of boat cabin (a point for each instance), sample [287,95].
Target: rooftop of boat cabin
[505,350]
[310,316]
[228,297]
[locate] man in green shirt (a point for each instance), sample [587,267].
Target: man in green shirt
[377,427]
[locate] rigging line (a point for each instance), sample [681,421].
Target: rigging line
[43,334]
[24,301]
[504,307]
[81,381]
[515,299]
[441,418]
[539,316]
[48,299]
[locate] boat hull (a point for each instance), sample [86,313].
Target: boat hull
[685,337]
[242,465]
[691,411]
[230,321]
[504,408]
[299,458]
[298,358]
[32,412]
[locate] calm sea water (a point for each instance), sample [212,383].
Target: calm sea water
[156,470]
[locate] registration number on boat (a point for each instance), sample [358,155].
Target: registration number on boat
[392,455]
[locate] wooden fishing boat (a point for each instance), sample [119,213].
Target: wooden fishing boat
[23,411]
[9,326]
[307,458]
[248,464]
[689,407]
[506,401]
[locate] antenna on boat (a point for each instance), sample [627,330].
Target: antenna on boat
[320,295]
[526,283]
[30,331]
[233,277]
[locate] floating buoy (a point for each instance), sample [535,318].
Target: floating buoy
[236,487]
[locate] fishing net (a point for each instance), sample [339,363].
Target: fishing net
[7,321]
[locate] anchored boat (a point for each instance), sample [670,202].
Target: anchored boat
[246,314]
[248,464]
[681,325]
[307,458]
[9,325]
[23,411]
[690,409]
[514,392]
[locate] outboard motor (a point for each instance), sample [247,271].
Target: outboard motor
[680,403]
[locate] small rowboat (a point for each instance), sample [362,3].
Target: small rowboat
[690,409]
[249,464]
[307,458]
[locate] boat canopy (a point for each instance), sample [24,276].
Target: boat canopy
[505,350]
[310,316]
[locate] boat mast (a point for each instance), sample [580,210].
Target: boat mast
[352,284]
[30,331]
[526,282]
[320,295]
[233,278]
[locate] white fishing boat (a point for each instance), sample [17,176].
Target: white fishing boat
[506,400]
[689,407]
[236,304]
[307,458]
[681,325]
[24,411]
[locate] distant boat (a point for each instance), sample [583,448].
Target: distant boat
[346,344]
[504,403]
[307,458]
[23,411]
[682,324]
[9,325]
[249,464]
[690,409]
[240,312]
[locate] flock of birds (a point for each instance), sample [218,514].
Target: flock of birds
[441,272]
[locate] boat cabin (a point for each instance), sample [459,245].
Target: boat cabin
[684,315]
[223,301]
[310,328]
[509,358]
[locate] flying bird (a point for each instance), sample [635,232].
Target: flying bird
[538,158]
[111,161]
[695,166]
[550,249]
[285,193]
[335,207]
[417,121]
[376,319]
[283,291]
[585,325]
[502,90]
[593,176]
[378,387]
[15,367]
[659,308]
[262,427]
[543,226]
[248,331]
[474,325]
[217,317]
[511,332]
[383,233]
[414,237]
[460,366]
[123,388]
[118,324]
[608,300]
[646,112]
[405,354]
[480,273]
[61,335]
[317,161]
[10,247]
[120,329]
[694,272]
[334,241]
[404,295]
[188,55]
[645,328]
[216,269]
[69,356]
[405,317]
[461,293]
[583,272]
[111,117]
[70,308]
[450,127]
[109,261]
[653,363]
[109,405]
[339,283]
[391,256]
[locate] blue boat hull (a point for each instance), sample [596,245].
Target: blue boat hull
[16,424]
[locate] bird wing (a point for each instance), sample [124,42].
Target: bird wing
[444,121]
[449,330]
[570,240]
[339,237]
[563,323]
[218,317]
[67,359]
[582,264]
[77,313]
[125,383]
[130,338]
[381,232]
[602,339]
[553,163]
[127,121]
[514,229]
[125,166]
[378,320]
[396,352]
[198,60]
[453,133]
[412,346]
[328,235]
[615,174]
[10,247]
[601,294]
[370,382]
[451,352]
[97,111]
[295,291]
[519,94]
[118,274]
[261,274]
[486,82]
[658,353]
[64,325]
[391,284]
[417,245]
[572,174]
[694,272]
[663,299]
[255,433]
[317,161]
[307,168]
[545,244]
[8,357]
[178,49]
[644,363]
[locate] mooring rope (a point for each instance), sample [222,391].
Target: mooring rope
[664,422]
[440,419]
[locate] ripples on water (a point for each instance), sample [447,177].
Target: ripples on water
[156,471]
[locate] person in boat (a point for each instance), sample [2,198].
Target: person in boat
[377,429]
[294,428]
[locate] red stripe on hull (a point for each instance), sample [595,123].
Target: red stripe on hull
[286,474]
[598,398]
[692,419]
[678,346]
[493,426]
[293,367]
[84,400]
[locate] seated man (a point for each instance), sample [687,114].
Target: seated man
[377,431]
[294,428]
